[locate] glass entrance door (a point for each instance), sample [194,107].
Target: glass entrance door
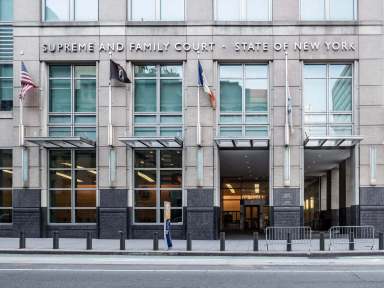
[251,218]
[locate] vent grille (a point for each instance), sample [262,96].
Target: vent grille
[6,43]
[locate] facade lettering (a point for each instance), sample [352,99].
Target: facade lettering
[160,47]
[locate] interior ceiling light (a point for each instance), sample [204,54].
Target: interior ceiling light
[257,188]
[80,167]
[90,171]
[306,204]
[67,177]
[145,177]
[7,171]
[312,203]
[229,186]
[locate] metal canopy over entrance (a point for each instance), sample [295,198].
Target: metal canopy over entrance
[62,142]
[329,142]
[152,142]
[242,143]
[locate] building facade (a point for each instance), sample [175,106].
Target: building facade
[295,138]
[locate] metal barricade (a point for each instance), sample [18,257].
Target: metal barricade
[364,236]
[301,235]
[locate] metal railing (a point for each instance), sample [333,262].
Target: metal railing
[300,235]
[364,236]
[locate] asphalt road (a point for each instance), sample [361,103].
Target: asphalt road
[34,271]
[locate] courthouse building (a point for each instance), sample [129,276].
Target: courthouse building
[296,142]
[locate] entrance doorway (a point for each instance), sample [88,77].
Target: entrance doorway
[328,189]
[251,218]
[244,188]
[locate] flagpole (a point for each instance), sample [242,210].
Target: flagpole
[199,155]
[287,155]
[286,101]
[198,132]
[21,128]
[21,96]
[110,130]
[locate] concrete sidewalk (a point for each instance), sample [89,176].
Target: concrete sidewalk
[200,247]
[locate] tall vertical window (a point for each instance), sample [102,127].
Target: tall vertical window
[157,10]
[6,10]
[243,10]
[72,101]
[244,100]
[328,9]
[157,178]
[6,173]
[6,87]
[71,10]
[158,100]
[6,55]
[328,99]
[72,186]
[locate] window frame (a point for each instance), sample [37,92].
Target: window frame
[8,189]
[158,208]
[2,63]
[327,12]
[72,13]
[158,17]
[158,114]
[328,124]
[73,208]
[243,113]
[73,114]
[243,12]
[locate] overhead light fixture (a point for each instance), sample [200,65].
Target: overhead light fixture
[229,186]
[66,164]
[67,177]
[145,177]
[312,203]
[63,175]
[7,171]
[257,188]
[90,171]
[80,167]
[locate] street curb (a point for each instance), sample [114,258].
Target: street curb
[317,254]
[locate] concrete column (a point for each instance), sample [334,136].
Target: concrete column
[349,187]
[323,193]
[355,186]
[113,213]
[335,205]
[342,194]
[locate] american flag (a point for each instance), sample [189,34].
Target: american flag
[26,81]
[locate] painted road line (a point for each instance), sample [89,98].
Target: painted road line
[183,270]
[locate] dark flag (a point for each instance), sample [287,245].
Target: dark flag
[118,73]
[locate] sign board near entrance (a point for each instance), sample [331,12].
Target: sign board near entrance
[286,197]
